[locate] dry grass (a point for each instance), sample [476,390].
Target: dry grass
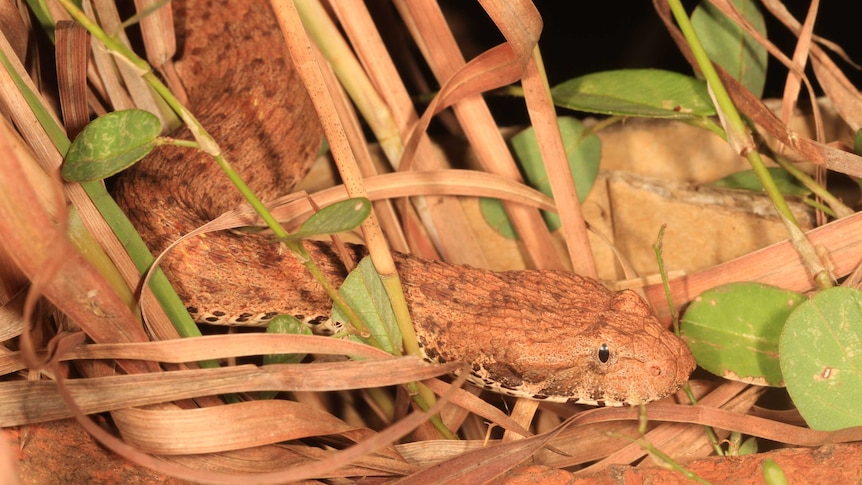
[331,423]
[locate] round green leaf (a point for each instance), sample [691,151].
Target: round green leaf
[649,93]
[339,217]
[733,330]
[821,358]
[109,144]
[583,154]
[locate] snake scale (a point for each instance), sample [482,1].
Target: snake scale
[538,334]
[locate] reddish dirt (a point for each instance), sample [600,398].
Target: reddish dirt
[61,452]
[828,464]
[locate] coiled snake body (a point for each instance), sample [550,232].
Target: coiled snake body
[539,334]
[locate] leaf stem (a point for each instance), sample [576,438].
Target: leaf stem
[839,208]
[740,139]
[657,247]
[738,134]
[305,258]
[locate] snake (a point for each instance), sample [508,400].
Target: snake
[538,334]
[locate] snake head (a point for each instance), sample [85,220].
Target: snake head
[620,367]
[619,355]
[547,335]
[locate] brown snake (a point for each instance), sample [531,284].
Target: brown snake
[539,334]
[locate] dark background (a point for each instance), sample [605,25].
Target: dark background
[584,37]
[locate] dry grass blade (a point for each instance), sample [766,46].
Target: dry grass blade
[459,82]
[72,55]
[15,29]
[31,236]
[544,120]
[11,323]
[157,28]
[796,66]
[683,441]
[39,401]
[800,59]
[275,458]
[838,88]
[845,96]
[747,103]
[294,208]
[175,431]
[140,94]
[453,243]
[478,406]
[106,70]
[49,159]
[21,114]
[778,264]
[484,464]
[214,347]
[819,153]
[726,420]
[302,471]
[334,417]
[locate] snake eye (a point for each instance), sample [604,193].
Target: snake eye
[604,353]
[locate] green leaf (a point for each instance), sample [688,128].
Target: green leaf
[737,447]
[496,217]
[729,46]
[649,93]
[748,447]
[821,358]
[109,144]
[773,474]
[733,330]
[583,154]
[747,180]
[364,292]
[342,216]
[286,324]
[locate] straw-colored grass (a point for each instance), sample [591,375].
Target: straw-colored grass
[204,424]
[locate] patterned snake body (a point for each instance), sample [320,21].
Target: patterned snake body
[538,334]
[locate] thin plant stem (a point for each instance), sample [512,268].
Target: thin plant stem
[738,134]
[657,247]
[740,139]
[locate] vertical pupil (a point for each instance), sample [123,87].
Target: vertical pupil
[604,353]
